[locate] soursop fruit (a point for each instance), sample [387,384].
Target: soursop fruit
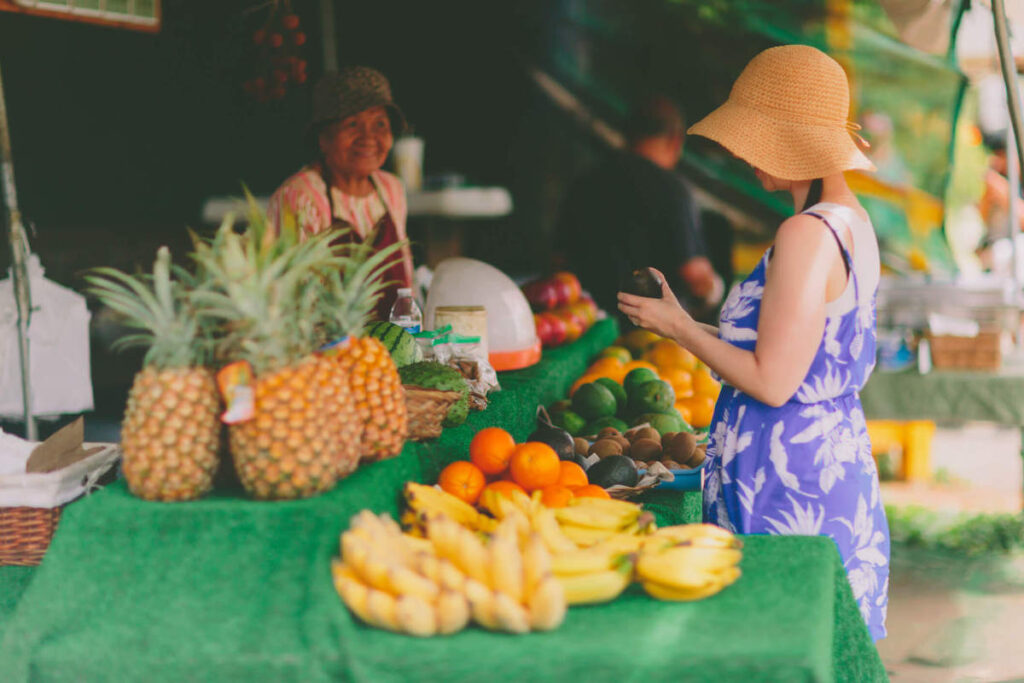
[432,375]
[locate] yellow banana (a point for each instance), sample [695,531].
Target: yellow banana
[664,592]
[415,616]
[622,543]
[412,523]
[509,614]
[460,546]
[497,504]
[536,564]
[506,562]
[383,610]
[686,567]
[584,561]
[595,587]
[452,612]
[481,604]
[414,545]
[405,582]
[354,593]
[611,505]
[428,499]
[596,518]
[547,605]
[699,534]
[584,536]
[544,522]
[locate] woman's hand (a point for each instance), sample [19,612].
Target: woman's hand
[662,316]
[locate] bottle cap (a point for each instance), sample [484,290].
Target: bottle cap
[404,291]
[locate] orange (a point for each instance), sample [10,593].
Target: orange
[634,364]
[535,465]
[704,383]
[685,411]
[491,449]
[462,479]
[702,409]
[607,367]
[555,496]
[590,491]
[505,488]
[587,378]
[572,474]
[681,380]
[668,354]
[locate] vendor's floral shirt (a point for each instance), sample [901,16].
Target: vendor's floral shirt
[805,468]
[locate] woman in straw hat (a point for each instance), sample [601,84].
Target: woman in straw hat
[354,123]
[789,450]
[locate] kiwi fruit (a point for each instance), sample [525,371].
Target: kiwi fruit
[608,431]
[605,447]
[581,445]
[646,449]
[624,442]
[680,447]
[698,457]
[647,433]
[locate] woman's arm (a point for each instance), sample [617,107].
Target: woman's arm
[790,325]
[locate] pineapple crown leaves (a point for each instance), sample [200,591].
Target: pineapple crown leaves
[266,289]
[357,286]
[159,305]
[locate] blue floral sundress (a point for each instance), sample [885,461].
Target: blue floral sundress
[805,468]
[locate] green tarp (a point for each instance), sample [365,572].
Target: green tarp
[226,589]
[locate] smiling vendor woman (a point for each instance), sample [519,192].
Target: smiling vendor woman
[354,123]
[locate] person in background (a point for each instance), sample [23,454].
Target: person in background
[353,124]
[789,451]
[633,211]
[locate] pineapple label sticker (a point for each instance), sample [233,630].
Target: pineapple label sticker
[235,383]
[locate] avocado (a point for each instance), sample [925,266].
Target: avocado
[643,282]
[613,470]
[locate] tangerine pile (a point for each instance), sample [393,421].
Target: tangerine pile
[497,463]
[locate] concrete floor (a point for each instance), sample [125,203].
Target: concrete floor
[953,619]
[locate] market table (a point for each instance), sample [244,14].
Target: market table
[228,589]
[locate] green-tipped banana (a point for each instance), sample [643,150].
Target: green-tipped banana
[430,500]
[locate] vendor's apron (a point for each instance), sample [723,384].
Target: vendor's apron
[384,234]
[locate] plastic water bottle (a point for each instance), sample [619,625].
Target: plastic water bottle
[406,312]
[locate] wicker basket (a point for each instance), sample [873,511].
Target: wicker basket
[427,409]
[25,534]
[983,352]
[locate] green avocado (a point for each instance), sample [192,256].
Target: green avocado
[613,470]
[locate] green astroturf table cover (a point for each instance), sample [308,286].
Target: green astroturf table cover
[225,589]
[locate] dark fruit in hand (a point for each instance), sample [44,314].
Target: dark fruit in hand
[643,283]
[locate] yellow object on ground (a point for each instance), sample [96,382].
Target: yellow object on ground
[914,438]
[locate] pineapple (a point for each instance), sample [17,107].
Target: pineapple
[171,429]
[270,293]
[373,377]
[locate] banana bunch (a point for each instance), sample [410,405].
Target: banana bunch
[508,580]
[394,581]
[688,562]
[426,501]
[590,521]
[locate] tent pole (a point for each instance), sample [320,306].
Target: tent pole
[19,255]
[1009,69]
[327,30]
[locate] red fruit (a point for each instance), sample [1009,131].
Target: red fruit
[540,294]
[258,36]
[290,21]
[299,77]
[280,75]
[573,284]
[276,40]
[299,38]
[563,292]
[558,328]
[543,326]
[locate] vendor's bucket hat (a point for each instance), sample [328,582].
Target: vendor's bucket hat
[340,94]
[786,115]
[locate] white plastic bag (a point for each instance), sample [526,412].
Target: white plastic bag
[58,349]
[47,490]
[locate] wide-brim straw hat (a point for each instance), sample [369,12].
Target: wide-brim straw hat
[787,115]
[338,95]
